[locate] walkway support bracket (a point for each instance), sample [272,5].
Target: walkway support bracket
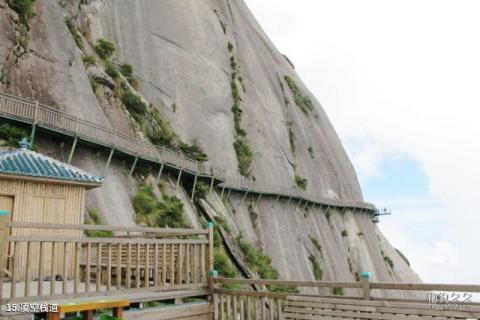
[159,175]
[179,177]
[72,150]
[109,160]
[211,183]
[34,125]
[193,189]
[133,166]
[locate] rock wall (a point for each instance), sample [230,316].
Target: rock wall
[180,54]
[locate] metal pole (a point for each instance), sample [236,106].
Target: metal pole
[223,190]
[109,160]
[245,196]
[193,190]
[34,126]
[72,150]
[211,183]
[289,199]
[133,166]
[160,173]
[258,199]
[178,178]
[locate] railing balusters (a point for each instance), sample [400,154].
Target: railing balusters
[129,265]
[98,268]
[147,266]
[156,266]
[40,269]
[27,270]
[52,271]
[76,265]
[164,264]
[87,275]
[109,267]
[119,267]
[137,271]
[172,265]
[65,275]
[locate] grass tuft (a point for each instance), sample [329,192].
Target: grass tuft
[301,100]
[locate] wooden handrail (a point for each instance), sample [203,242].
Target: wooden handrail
[340,284]
[86,227]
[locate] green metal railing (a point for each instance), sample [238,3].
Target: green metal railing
[48,118]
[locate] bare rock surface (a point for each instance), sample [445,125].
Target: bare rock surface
[180,54]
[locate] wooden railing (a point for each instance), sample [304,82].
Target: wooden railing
[45,261]
[265,305]
[24,110]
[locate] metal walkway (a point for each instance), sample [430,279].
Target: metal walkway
[53,121]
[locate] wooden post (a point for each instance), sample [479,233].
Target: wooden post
[179,177]
[193,190]
[160,172]
[211,271]
[4,217]
[365,279]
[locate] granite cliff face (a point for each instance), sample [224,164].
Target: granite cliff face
[194,60]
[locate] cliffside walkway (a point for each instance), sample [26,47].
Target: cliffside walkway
[143,265]
[53,121]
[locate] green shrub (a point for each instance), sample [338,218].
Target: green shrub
[338,291]
[104,48]
[88,61]
[93,217]
[158,214]
[127,71]
[291,137]
[316,244]
[230,46]
[344,233]
[317,269]
[93,83]
[111,70]
[223,265]
[133,102]
[258,261]
[302,101]
[310,151]
[193,151]
[301,182]
[144,203]
[24,8]
[389,261]
[201,190]
[253,215]
[244,155]
[12,134]
[73,30]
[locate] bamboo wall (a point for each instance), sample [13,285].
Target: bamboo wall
[44,203]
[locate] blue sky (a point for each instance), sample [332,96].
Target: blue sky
[399,81]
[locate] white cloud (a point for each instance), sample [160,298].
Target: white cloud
[403,76]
